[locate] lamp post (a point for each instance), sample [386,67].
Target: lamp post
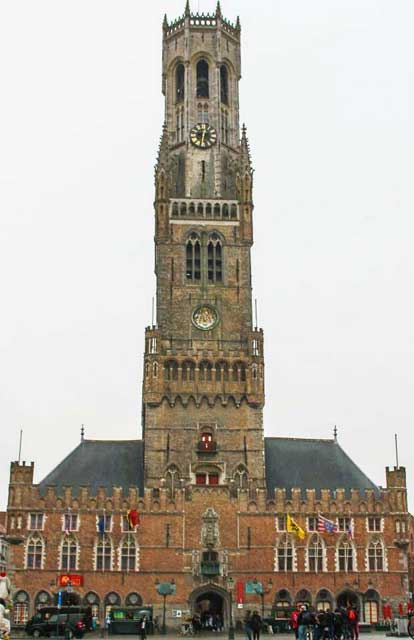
[165,589]
[230,587]
[258,588]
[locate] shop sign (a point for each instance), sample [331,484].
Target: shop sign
[71,579]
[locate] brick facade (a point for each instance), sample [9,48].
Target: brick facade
[208,511]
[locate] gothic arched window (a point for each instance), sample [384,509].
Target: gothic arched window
[188,371]
[171,370]
[345,556]
[215,261]
[179,83]
[376,556]
[103,550]
[69,554]
[202,79]
[205,372]
[224,84]
[34,557]
[172,479]
[241,477]
[193,258]
[315,554]
[285,554]
[128,555]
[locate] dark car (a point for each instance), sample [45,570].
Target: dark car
[70,625]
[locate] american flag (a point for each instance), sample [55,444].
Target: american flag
[325,525]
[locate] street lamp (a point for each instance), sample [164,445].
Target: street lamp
[165,589]
[258,588]
[230,587]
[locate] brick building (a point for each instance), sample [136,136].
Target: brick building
[212,492]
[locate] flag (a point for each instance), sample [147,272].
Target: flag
[325,525]
[293,527]
[101,524]
[133,518]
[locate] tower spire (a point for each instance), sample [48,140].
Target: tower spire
[218,10]
[187,11]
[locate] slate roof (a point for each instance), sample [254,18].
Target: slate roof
[290,463]
[100,463]
[312,464]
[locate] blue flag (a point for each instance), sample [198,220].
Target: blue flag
[101,524]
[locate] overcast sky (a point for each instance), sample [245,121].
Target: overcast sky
[327,96]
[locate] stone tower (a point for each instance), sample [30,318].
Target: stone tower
[203,389]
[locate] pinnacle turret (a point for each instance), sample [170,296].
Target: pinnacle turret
[187,11]
[246,161]
[163,149]
[218,10]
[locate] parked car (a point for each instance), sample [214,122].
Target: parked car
[70,625]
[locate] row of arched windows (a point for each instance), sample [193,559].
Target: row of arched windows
[21,603]
[124,557]
[207,371]
[202,82]
[204,210]
[316,555]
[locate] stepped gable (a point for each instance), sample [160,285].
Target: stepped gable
[312,464]
[99,463]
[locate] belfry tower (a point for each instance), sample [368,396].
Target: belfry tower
[203,389]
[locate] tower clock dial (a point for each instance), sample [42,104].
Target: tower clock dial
[205,317]
[203,135]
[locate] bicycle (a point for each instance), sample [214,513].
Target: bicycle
[410,625]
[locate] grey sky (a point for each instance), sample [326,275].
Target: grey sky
[327,96]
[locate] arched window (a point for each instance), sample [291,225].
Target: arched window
[241,477]
[92,600]
[224,84]
[103,551]
[375,556]
[175,209]
[188,371]
[225,210]
[20,608]
[202,79]
[315,554]
[128,555]
[234,211]
[214,256]
[202,112]
[208,210]
[285,554]
[172,479]
[345,556]
[69,554]
[34,558]
[133,600]
[43,599]
[207,442]
[171,370]
[193,258]
[179,83]
[225,126]
[222,372]
[205,372]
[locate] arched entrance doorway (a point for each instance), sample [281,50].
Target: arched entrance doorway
[209,605]
[347,598]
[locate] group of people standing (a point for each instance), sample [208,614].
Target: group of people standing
[340,624]
[252,625]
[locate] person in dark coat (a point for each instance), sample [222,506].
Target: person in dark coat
[256,625]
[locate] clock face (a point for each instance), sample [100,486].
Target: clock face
[205,317]
[203,135]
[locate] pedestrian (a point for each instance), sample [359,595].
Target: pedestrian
[337,623]
[294,620]
[247,627]
[256,625]
[143,627]
[305,619]
[353,620]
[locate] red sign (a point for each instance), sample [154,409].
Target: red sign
[71,579]
[239,592]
